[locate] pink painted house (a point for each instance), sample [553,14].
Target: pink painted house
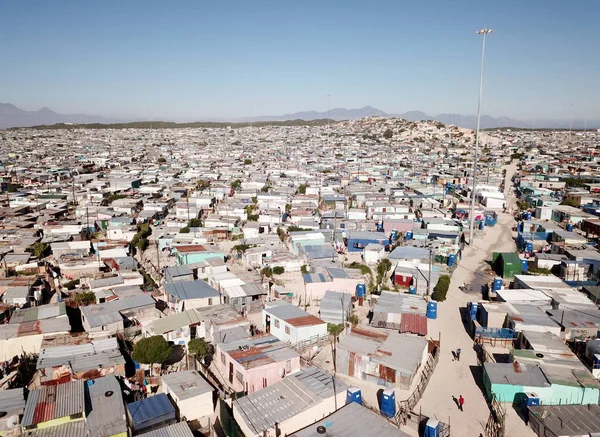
[255,363]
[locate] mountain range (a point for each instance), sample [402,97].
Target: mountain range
[11,116]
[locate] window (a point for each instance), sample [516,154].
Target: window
[209,301]
[287,330]
[223,358]
[239,377]
[277,323]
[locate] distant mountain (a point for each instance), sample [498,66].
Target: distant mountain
[332,114]
[11,116]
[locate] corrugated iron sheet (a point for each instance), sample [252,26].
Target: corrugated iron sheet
[414,323]
[54,402]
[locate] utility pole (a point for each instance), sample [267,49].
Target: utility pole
[429,273]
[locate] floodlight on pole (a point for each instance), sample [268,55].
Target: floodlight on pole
[483,32]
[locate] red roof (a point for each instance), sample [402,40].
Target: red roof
[414,323]
[190,248]
[309,320]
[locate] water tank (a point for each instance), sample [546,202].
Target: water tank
[388,403]
[408,235]
[569,227]
[353,394]
[412,289]
[497,285]
[361,290]
[432,310]
[432,428]
[529,247]
[525,265]
[451,259]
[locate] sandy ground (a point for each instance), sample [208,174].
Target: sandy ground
[454,378]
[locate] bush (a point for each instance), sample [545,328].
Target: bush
[304,269]
[252,217]
[41,250]
[278,270]
[365,270]
[247,161]
[161,160]
[151,350]
[388,134]
[71,284]
[267,272]
[195,223]
[570,202]
[441,288]
[334,329]
[199,348]
[185,230]
[302,189]
[142,244]
[85,298]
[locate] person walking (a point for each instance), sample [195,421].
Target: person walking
[461,402]
[458,354]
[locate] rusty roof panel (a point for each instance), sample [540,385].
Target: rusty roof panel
[414,323]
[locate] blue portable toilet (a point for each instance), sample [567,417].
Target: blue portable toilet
[388,403]
[380,227]
[412,289]
[451,259]
[432,309]
[525,265]
[528,215]
[353,394]
[408,235]
[529,247]
[481,225]
[528,400]
[432,428]
[472,308]
[497,285]
[361,290]
[520,226]
[569,227]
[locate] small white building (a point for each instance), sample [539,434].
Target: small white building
[372,253]
[292,324]
[192,395]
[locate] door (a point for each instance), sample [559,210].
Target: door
[351,363]
[231,373]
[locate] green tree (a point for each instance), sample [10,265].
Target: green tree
[334,329]
[383,266]
[151,350]
[185,230]
[252,217]
[235,185]
[279,270]
[199,348]
[570,202]
[85,298]
[302,189]
[41,250]
[388,134]
[142,244]
[247,161]
[441,288]
[267,272]
[195,223]
[522,205]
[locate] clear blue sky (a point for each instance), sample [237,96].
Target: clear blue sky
[211,59]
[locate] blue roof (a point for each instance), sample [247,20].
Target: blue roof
[191,290]
[310,278]
[150,409]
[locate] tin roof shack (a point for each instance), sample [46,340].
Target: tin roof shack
[42,312]
[191,394]
[54,405]
[508,382]
[195,253]
[292,324]
[178,274]
[179,328]
[12,405]
[417,275]
[27,337]
[577,324]
[377,357]
[352,420]
[76,356]
[338,279]
[541,282]
[72,248]
[335,307]
[106,415]
[225,325]
[180,429]
[150,413]
[17,295]
[255,363]
[398,311]
[356,241]
[110,317]
[532,318]
[185,295]
[296,400]
[525,296]
[570,214]
[507,265]
[565,420]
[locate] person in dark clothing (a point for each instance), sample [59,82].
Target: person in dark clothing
[458,354]
[461,402]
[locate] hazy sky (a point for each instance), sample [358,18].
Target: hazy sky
[210,59]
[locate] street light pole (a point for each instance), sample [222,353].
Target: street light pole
[483,32]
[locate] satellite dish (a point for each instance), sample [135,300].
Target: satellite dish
[12,422]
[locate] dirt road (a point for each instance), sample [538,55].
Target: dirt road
[454,378]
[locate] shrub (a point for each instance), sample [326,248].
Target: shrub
[267,272]
[247,161]
[185,230]
[388,134]
[161,160]
[365,270]
[441,288]
[85,298]
[278,270]
[304,269]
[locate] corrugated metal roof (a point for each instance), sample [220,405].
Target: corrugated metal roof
[187,384]
[400,303]
[70,429]
[150,408]
[86,356]
[258,351]
[107,415]
[414,324]
[180,429]
[198,289]
[106,313]
[175,321]
[352,420]
[53,402]
[334,306]
[12,402]
[287,398]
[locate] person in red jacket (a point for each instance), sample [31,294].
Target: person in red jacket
[461,402]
